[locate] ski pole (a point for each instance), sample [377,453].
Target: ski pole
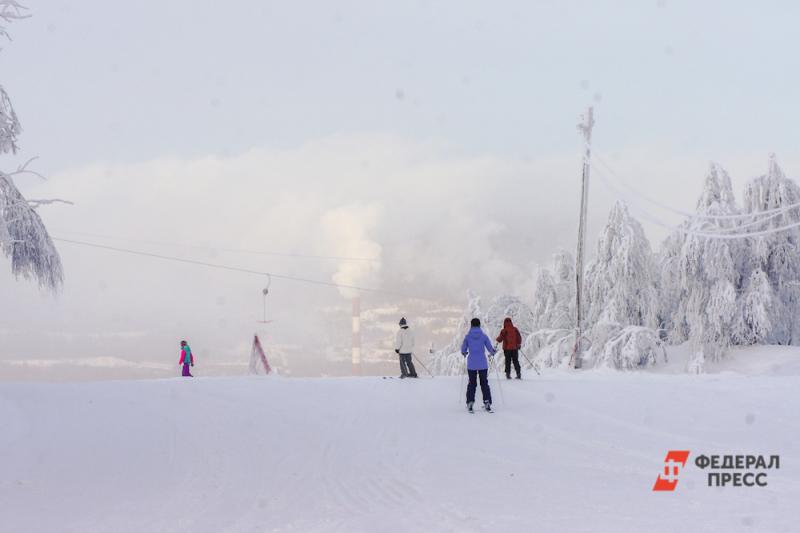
[421,363]
[499,385]
[461,381]
[531,363]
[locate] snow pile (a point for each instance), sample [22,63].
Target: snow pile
[566,452]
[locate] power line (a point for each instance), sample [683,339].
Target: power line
[231,268]
[231,250]
[644,213]
[741,216]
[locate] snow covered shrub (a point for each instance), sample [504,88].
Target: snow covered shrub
[627,348]
[550,347]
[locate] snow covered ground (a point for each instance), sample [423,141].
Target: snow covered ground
[567,451]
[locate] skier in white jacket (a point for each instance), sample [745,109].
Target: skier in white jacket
[404,347]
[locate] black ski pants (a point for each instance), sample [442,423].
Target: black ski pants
[407,365]
[486,393]
[512,356]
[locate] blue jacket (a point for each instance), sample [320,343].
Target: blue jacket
[474,344]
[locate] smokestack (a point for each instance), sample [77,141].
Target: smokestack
[356,336]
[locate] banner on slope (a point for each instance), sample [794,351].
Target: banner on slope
[257,354]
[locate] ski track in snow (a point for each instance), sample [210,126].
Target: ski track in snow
[565,452]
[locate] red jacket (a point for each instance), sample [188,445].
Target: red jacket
[510,336]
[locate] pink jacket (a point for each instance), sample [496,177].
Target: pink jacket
[186,356]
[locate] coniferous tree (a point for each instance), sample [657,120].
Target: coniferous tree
[23,236]
[700,274]
[777,254]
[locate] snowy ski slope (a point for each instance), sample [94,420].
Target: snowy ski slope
[565,452]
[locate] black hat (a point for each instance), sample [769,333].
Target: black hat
[403,321]
[476,323]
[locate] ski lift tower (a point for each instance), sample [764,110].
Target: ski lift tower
[257,354]
[585,127]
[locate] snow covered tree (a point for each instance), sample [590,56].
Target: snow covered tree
[776,254]
[544,298]
[554,299]
[23,236]
[507,307]
[449,361]
[620,279]
[627,348]
[621,295]
[553,313]
[754,322]
[701,275]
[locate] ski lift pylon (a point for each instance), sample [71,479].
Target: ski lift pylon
[265,292]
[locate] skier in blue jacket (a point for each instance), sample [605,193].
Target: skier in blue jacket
[473,348]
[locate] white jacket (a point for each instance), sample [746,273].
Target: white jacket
[404,341]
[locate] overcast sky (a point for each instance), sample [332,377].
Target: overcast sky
[437,137]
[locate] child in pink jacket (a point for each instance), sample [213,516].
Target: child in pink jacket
[187,359]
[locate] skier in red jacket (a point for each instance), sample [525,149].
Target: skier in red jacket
[512,342]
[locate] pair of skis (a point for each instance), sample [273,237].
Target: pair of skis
[487,408]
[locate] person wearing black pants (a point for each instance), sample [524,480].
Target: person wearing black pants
[475,347]
[512,342]
[486,393]
[404,347]
[512,356]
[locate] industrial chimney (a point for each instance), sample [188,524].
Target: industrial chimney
[356,336]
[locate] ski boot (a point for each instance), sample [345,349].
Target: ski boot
[487,407]
[469,407]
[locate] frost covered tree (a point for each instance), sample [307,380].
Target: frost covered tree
[776,254]
[544,297]
[554,297]
[754,320]
[449,361]
[553,313]
[620,279]
[23,236]
[700,275]
[621,295]
[503,307]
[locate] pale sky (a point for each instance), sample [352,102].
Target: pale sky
[439,136]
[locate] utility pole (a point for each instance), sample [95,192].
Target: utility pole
[585,128]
